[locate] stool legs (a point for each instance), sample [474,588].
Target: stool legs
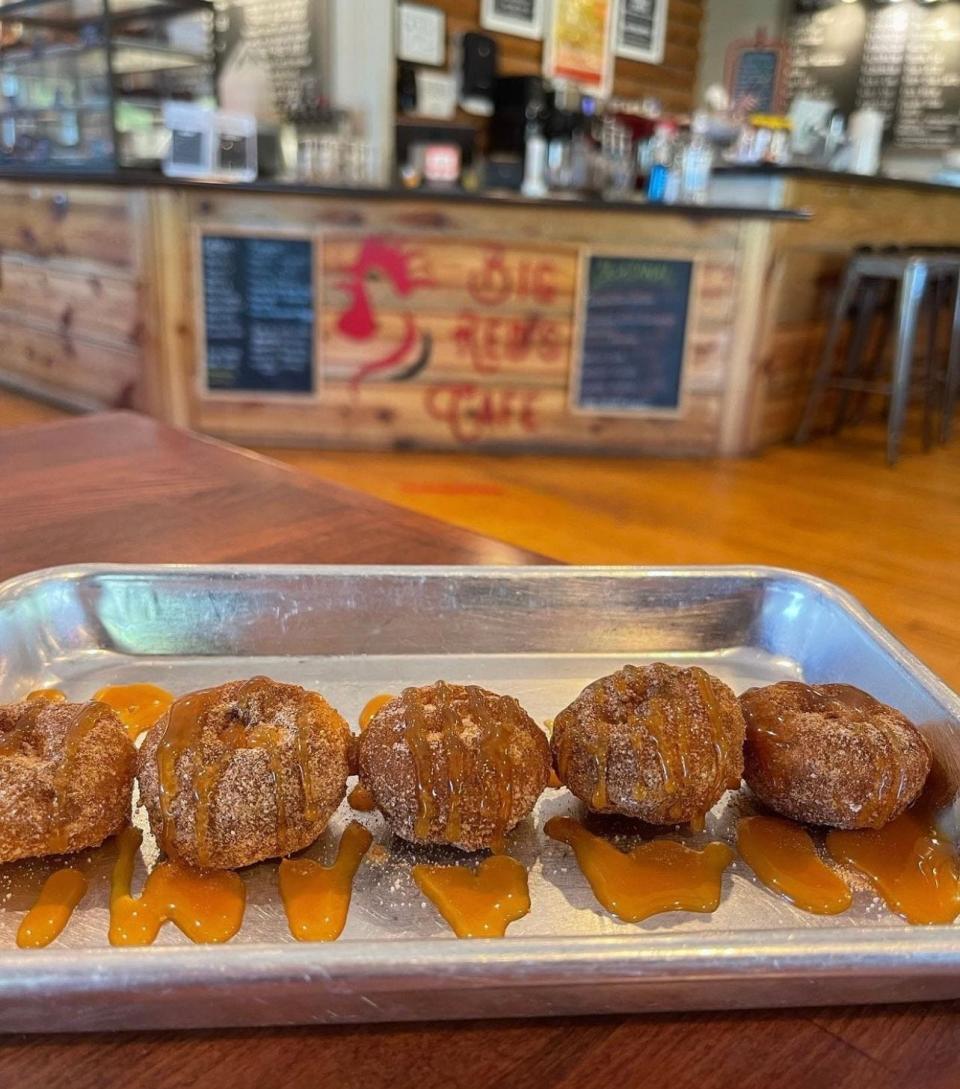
[909,298]
[848,289]
[858,342]
[931,379]
[952,384]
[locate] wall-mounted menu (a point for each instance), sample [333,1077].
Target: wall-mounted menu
[258,313]
[271,54]
[929,106]
[826,50]
[633,334]
[882,64]
[755,78]
[902,59]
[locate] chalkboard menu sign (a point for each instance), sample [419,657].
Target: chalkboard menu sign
[901,59]
[928,113]
[882,61]
[632,334]
[270,55]
[826,54]
[755,79]
[258,313]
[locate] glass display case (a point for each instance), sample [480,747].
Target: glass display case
[83,82]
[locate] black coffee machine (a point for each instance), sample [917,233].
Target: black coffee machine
[518,101]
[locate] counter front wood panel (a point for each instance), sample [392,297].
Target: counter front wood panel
[456,326]
[71,311]
[86,224]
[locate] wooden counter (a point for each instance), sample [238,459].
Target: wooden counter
[436,321]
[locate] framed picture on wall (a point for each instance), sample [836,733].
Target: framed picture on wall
[578,44]
[641,30]
[522,18]
[421,33]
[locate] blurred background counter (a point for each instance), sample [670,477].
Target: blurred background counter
[269,313]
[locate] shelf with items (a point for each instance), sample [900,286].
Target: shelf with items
[63,62]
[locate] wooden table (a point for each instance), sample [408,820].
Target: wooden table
[121,488]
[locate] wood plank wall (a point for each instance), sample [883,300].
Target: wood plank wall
[71,316]
[672,82]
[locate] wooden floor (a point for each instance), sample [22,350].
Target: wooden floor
[890,536]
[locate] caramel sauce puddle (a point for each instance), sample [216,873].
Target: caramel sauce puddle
[54,695]
[658,876]
[138,706]
[479,904]
[361,799]
[783,856]
[909,862]
[61,893]
[207,906]
[316,898]
[371,707]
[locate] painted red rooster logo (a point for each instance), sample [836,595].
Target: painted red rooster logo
[359,320]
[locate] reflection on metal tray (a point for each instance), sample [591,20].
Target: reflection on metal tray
[540,634]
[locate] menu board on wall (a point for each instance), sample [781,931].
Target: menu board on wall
[826,49]
[271,55]
[928,113]
[882,64]
[258,314]
[633,331]
[901,59]
[756,77]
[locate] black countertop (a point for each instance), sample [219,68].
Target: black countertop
[839,177]
[139,179]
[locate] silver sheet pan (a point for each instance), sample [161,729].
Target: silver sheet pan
[538,633]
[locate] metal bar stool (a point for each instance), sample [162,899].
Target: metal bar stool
[951,381]
[912,272]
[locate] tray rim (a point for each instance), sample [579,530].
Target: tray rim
[12,588]
[707,956]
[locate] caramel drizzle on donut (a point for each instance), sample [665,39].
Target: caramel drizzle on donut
[85,718]
[441,775]
[715,716]
[865,707]
[600,752]
[494,745]
[847,701]
[305,770]
[669,732]
[184,728]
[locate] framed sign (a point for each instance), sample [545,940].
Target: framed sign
[579,44]
[755,74]
[421,34]
[257,314]
[641,30]
[632,335]
[521,18]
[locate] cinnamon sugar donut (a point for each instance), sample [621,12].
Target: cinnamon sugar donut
[66,777]
[831,754]
[453,764]
[655,742]
[246,771]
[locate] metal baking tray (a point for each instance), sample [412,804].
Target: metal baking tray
[540,634]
